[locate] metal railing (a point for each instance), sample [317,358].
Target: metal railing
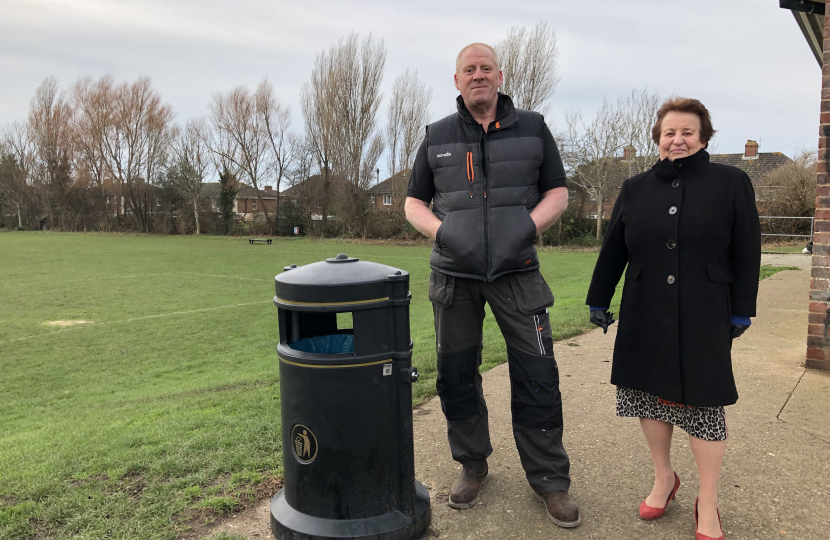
[812,226]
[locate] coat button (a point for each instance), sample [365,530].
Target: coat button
[679,165]
[670,280]
[673,210]
[676,183]
[671,244]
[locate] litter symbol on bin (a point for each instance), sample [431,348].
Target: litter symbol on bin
[304,443]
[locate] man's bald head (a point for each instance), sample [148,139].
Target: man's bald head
[479,46]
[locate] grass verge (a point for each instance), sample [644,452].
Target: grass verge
[768,270]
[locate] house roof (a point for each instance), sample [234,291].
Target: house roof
[755,168]
[396,184]
[314,184]
[211,190]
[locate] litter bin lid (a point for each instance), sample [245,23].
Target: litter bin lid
[341,283]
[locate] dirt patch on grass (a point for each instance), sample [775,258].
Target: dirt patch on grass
[201,522]
[65,324]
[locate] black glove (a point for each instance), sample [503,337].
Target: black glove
[735,330]
[602,318]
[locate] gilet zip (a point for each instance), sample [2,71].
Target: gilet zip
[485,207]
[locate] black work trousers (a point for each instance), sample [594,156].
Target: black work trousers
[519,302]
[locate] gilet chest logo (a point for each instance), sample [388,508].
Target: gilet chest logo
[448,154]
[304,443]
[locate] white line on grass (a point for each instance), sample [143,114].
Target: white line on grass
[223,276]
[128,276]
[133,319]
[134,276]
[290,252]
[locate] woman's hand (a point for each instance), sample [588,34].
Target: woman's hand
[735,330]
[602,318]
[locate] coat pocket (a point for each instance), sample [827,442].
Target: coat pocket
[719,274]
[461,242]
[530,292]
[633,271]
[441,289]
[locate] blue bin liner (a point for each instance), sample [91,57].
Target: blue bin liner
[331,344]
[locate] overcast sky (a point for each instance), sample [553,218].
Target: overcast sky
[745,59]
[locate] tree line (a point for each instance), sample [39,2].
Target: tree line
[107,155]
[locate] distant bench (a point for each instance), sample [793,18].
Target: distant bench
[263,240]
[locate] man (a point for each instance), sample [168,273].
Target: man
[496,181]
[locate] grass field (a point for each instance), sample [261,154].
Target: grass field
[166,399]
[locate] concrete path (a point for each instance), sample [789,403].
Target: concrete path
[776,477]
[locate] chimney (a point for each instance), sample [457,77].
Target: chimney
[751,150]
[268,188]
[629,153]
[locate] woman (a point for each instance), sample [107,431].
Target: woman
[689,234]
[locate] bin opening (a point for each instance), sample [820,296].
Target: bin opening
[330,344]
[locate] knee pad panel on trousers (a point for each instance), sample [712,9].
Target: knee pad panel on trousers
[456,384]
[534,383]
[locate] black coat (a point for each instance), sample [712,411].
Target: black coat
[690,235]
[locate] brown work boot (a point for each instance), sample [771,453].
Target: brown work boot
[560,508]
[464,491]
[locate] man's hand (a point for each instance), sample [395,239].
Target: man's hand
[736,330]
[602,318]
[421,217]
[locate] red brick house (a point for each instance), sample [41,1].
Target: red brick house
[390,194]
[247,205]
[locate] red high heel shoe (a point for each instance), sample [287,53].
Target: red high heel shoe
[700,536]
[650,512]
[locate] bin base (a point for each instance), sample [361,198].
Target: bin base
[289,524]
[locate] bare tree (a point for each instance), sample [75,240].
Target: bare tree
[319,102]
[275,121]
[18,152]
[136,145]
[614,145]
[50,125]
[191,160]
[530,63]
[358,68]
[590,153]
[408,114]
[307,195]
[639,110]
[790,190]
[241,139]
[93,103]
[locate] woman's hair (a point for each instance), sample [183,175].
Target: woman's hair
[684,105]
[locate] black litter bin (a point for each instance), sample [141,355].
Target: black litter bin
[346,404]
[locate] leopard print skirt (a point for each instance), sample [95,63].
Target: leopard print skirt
[707,423]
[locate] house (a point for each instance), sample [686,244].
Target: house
[391,193]
[618,169]
[312,195]
[246,205]
[757,165]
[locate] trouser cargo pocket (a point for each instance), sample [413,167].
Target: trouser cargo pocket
[441,288]
[528,292]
